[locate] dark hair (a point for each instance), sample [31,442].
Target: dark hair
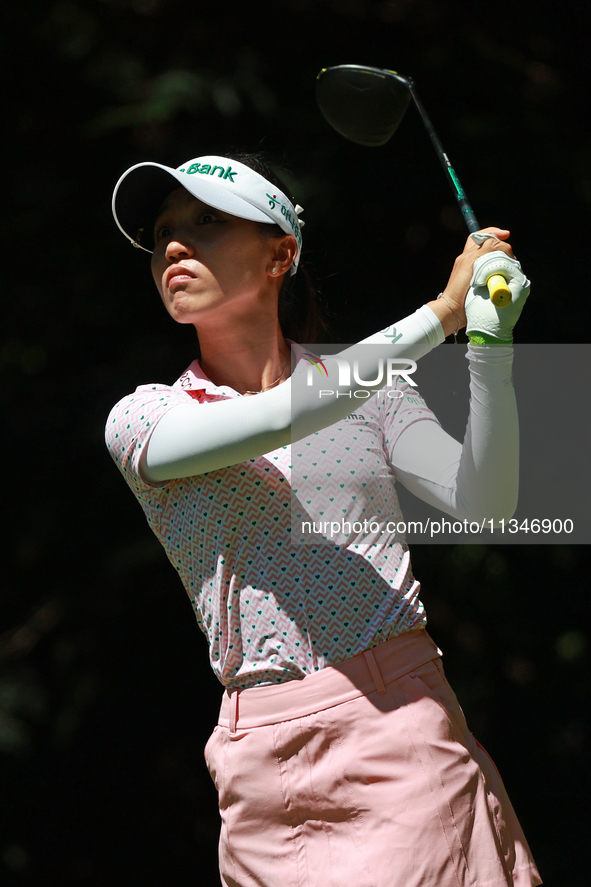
[300,316]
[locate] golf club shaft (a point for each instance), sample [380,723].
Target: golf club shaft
[451,175]
[497,285]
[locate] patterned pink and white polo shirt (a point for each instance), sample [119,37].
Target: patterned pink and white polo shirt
[274,607]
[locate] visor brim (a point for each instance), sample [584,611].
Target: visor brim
[141,191]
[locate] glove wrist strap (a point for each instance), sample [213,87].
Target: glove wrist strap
[478,338]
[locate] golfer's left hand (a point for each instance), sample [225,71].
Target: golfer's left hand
[463,269]
[483,318]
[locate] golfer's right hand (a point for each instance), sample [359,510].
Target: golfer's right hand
[463,270]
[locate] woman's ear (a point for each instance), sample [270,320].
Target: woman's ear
[283,255]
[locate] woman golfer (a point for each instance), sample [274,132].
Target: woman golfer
[341,756]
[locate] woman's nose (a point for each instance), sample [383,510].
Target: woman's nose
[177,250]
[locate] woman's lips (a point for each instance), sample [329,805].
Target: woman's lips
[177,274]
[179,278]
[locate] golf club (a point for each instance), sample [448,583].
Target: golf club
[366,106]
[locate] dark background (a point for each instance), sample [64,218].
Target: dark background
[106,698]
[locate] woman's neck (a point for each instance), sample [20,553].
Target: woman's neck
[249,361]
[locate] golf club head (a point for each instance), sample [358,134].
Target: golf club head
[363,104]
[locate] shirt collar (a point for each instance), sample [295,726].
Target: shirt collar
[194,379]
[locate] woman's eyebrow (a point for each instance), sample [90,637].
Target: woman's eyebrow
[168,203]
[163,208]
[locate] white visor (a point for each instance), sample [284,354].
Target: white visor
[218,181]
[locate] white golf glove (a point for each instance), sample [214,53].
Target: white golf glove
[484,320]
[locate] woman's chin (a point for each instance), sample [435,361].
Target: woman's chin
[184,309]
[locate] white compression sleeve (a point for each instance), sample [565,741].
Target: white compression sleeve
[195,438]
[477,480]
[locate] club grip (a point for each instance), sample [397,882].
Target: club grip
[498,290]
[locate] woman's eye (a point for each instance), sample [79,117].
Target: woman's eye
[164,232]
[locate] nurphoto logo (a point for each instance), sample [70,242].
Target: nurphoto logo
[316,362]
[350,374]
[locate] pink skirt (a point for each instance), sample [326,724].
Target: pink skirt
[363,774]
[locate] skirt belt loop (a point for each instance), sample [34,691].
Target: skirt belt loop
[234,711]
[374,671]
